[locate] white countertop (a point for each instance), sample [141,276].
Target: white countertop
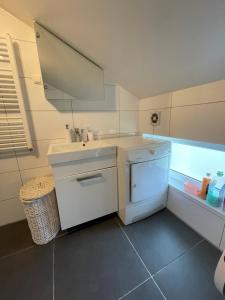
[132,141]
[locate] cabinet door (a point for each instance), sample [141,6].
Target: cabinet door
[86,196]
[149,180]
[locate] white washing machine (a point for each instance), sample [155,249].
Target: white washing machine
[143,166]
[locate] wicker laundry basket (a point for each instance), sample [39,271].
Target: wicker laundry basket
[39,202]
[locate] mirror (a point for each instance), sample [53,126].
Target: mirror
[66,69]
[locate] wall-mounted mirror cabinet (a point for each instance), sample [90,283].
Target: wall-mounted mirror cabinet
[67,70]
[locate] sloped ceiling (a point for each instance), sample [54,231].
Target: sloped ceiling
[147,46]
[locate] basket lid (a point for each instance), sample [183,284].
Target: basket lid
[36,188]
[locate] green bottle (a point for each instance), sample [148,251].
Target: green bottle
[213,191]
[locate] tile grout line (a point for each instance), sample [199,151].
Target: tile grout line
[17,161]
[53,270]
[119,110]
[156,284]
[137,286]
[135,250]
[149,273]
[180,256]
[72,111]
[170,116]
[17,252]
[61,235]
[184,105]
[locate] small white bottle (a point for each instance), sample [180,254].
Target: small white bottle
[84,136]
[222,197]
[90,135]
[96,134]
[68,135]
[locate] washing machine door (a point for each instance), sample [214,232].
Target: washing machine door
[149,180]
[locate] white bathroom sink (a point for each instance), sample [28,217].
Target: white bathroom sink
[59,153]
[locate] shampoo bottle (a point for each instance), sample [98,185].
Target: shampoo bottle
[213,194]
[205,184]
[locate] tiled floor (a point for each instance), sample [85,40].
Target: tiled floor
[157,258]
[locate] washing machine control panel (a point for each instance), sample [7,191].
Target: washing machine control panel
[148,153]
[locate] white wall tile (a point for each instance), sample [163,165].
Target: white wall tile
[156,102]
[204,122]
[128,121]
[32,173]
[105,122]
[127,100]
[17,28]
[110,103]
[164,126]
[8,162]
[27,58]
[34,97]
[144,122]
[11,210]
[211,92]
[49,125]
[10,184]
[38,157]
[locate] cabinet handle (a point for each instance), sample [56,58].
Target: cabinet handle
[89,178]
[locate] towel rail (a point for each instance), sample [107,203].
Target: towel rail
[14,129]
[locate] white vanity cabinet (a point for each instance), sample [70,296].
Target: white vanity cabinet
[85,181]
[86,196]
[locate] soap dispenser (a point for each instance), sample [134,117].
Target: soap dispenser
[68,135]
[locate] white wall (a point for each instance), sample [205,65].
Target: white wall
[196,113]
[47,120]
[195,161]
[148,106]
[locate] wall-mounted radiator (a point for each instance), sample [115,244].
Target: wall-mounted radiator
[14,129]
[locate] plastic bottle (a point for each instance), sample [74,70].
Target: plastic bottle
[96,134]
[222,197]
[205,184]
[90,135]
[68,135]
[214,190]
[84,133]
[220,180]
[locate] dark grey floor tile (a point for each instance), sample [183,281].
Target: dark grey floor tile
[27,275]
[161,238]
[14,237]
[147,291]
[85,225]
[96,263]
[191,276]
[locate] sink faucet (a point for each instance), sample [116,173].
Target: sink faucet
[80,135]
